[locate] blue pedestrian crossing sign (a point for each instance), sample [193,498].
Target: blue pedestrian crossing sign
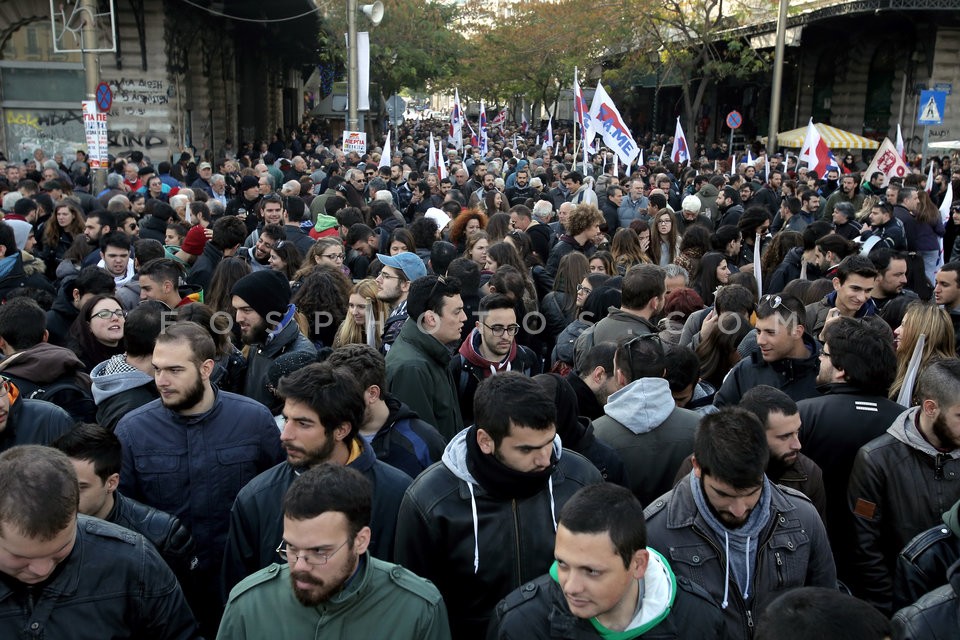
[932,105]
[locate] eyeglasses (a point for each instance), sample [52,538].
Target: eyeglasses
[360,180]
[310,556]
[107,314]
[440,280]
[280,245]
[653,337]
[336,257]
[581,288]
[498,329]
[369,175]
[823,353]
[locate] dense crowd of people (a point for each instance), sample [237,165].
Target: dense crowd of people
[298,390]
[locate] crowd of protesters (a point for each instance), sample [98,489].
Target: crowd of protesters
[290,389]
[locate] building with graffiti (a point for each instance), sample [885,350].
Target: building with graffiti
[182,76]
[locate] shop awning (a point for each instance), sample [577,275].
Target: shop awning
[835,138]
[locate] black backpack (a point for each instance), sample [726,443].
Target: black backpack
[67,392]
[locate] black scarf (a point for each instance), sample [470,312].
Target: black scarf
[499,480]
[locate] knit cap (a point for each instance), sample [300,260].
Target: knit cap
[266,292]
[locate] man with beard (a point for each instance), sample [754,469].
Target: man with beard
[482,522]
[393,285]
[491,348]
[732,531]
[787,466]
[271,213]
[323,409]
[246,203]
[341,589]
[258,256]
[190,452]
[902,482]
[266,319]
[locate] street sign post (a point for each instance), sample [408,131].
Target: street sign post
[734,121]
[932,105]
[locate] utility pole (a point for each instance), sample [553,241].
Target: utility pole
[91,69]
[777,78]
[353,91]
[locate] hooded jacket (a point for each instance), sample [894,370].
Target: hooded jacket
[935,616]
[406,442]
[44,363]
[790,551]
[256,519]
[797,377]
[650,432]
[418,374]
[671,608]
[790,270]
[118,388]
[476,548]
[900,485]
[469,368]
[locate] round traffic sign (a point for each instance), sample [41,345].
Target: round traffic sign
[734,119]
[104,97]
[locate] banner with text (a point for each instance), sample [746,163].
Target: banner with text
[355,141]
[95,128]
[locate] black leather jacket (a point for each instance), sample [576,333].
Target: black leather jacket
[923,564]
[111,585]
[899,487]
[476,560]
[935,616]
[538,611]
[167,534]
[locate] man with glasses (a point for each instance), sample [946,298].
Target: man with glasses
[323,408]
[491,348]
[352,188]
[786,356]
[393,285]
[642,421]
[340,587]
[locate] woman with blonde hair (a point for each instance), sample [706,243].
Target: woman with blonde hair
[362,302]
[931,321]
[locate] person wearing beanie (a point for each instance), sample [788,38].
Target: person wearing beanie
[267,325]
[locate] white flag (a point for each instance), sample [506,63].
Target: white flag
[680,152]
[888,162]
[945,212]
[385,156]
[900,148]
[432,161]
[606,120]
[456,121]
[929,186]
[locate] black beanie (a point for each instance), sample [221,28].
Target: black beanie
[266,292]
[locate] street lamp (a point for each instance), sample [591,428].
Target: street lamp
[375,13]
[654,59]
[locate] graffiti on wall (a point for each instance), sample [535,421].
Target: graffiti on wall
[140,118]
[53,130]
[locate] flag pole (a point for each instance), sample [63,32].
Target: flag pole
[575,107]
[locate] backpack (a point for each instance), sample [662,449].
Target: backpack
[66,392]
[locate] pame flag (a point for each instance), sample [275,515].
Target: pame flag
[605,120]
